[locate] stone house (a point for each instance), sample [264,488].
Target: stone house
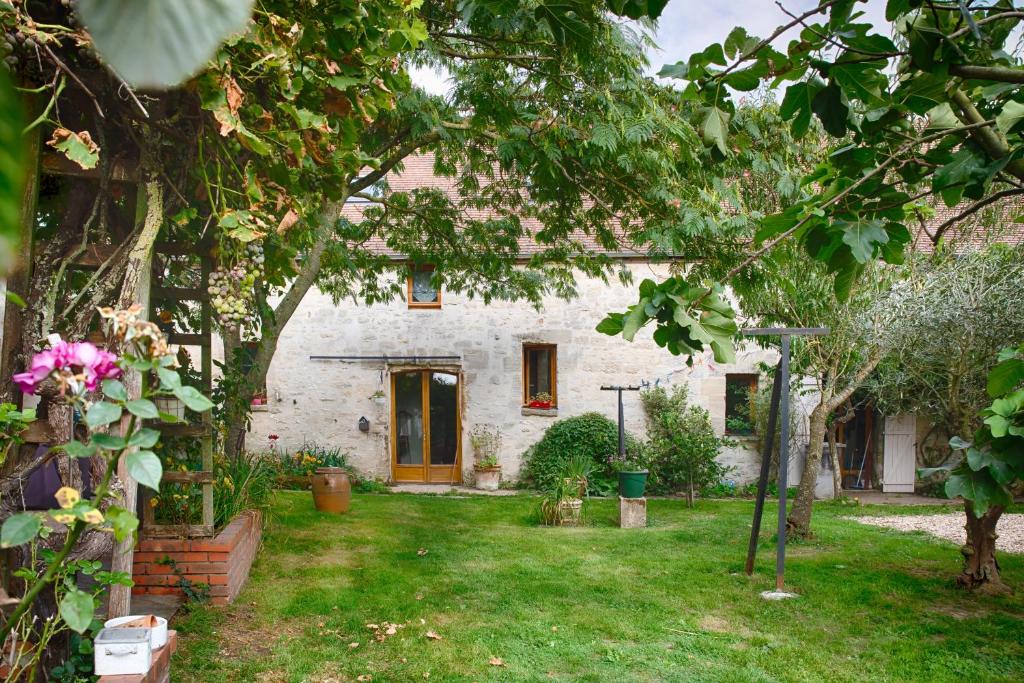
[400,386]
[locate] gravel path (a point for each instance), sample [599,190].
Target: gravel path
[951,528]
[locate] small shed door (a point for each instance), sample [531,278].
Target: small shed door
[900,466]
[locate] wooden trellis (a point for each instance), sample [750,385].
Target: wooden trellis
[203,430]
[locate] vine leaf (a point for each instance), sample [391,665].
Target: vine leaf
[156,43]
[78,147]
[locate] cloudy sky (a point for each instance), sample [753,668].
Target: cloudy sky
[688,26]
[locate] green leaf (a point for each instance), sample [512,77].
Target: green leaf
[1005,377]
[78,147]
[604,135]
[114,390]
[979,488]
[12,169]
[144,438]
[76,608]
[108,441]
[715,127]
[77,449]
[798,106]
[143,408]
[169,379]
[1010,116]
[101,414]
[831,110]
[19,528]
[634,320]
[145,468]
[193,398]
[156,43]
[958,444]
[862,236]
[122,522]
[962,168]
[611,325]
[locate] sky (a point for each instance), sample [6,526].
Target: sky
[689,26]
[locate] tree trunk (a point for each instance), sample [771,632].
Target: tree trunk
[981,569]
[689,489]
[236,414]
[837,465]
[799,521]
[236,407]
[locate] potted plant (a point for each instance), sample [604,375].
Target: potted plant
[633,474]
[378,397]
[542,400]
[563,504]
[486,441]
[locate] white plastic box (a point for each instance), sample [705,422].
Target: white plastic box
[120,651]
[158,626]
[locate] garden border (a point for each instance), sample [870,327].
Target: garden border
[163,566]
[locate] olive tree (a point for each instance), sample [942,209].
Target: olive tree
[944,327]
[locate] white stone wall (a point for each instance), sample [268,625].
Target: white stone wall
[322,401]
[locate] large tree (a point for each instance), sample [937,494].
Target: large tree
[945,326]
[788,288]
[551,132]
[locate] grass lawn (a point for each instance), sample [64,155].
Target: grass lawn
[667,603]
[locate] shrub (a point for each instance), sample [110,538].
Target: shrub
[683,444]
[590,435]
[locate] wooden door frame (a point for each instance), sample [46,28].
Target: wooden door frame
[428,473]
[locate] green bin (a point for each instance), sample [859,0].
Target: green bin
[632,484]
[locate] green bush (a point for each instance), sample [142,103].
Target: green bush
[683,444]
[590,435]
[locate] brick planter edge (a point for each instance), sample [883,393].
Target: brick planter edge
[221,562]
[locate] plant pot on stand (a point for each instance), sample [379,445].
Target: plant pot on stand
[632,483]
[487,471]
[487,478]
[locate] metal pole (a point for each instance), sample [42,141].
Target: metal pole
[766,463]
[780,558]
[622,428]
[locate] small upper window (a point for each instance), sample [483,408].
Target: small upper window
[422,291]
[540,378]
[740,391]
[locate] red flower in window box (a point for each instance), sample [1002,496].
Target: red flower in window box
[542,400]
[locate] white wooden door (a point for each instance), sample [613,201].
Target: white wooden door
[900,464]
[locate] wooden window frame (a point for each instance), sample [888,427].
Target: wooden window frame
[552,369]
[408,290]
[752,379]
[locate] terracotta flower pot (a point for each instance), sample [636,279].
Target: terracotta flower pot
[332,491]
[487,478]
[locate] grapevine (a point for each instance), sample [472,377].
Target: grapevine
[232,289]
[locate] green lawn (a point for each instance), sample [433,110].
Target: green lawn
[667,603]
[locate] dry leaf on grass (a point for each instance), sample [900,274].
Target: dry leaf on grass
[433,635]
[353,646]
[422,551]
[497,661]
[364,677]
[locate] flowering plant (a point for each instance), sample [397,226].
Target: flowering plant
[114,433]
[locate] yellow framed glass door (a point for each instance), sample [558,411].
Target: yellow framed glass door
[426,427]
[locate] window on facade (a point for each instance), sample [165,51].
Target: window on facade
[422,292]
[540,383]
[739,403]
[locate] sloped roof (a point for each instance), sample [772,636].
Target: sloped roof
[994,223]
